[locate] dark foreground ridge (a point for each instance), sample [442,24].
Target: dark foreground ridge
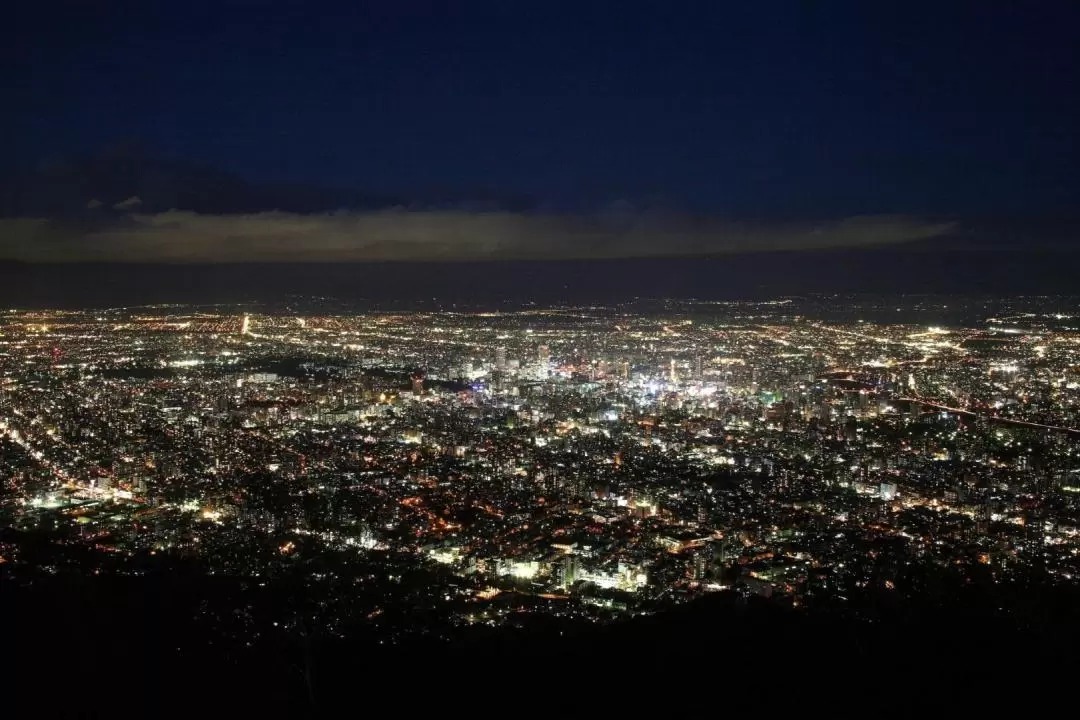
[139,632]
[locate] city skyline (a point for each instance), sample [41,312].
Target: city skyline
[558,357]
[391,479]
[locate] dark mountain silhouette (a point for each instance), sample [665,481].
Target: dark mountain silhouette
[145,634]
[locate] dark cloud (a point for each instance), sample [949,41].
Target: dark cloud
[181,236]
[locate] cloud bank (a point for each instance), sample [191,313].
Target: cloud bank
[189,237]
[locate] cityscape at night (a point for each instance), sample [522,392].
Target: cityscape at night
[561,358]
[422,473]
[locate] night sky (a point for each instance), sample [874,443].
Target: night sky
[594,129]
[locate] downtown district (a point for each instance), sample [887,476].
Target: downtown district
[417,472]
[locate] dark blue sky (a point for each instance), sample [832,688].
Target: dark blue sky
[730,107]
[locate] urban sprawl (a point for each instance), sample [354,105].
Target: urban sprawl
[451,468]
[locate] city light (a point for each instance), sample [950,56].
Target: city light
[602,462]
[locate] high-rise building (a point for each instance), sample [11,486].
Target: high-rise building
[543,361]
[500,358]
[569,570]
[702,562]
[418,384]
